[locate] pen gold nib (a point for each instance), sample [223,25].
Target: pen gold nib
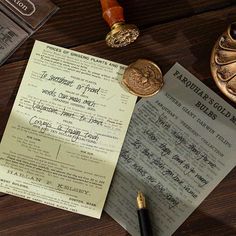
[141,201]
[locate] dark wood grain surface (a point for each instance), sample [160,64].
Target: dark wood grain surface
[177,30]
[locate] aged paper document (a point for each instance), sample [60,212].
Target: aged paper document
[66,130]
[180,144]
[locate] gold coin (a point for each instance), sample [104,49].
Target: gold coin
[223,64]
[143,78]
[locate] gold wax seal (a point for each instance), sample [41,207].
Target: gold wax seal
[223,62]
[143,78]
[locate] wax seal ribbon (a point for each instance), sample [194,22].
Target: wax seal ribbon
[143,78]
[223,62]
[121,34]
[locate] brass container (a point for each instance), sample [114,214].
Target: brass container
[223,62]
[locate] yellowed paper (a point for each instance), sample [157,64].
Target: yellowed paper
[65,131]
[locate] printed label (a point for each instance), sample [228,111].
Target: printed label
[25,7]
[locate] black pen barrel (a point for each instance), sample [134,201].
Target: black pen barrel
[144,222]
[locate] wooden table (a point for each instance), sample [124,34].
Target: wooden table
[177,30]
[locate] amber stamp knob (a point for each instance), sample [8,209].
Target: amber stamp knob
[121,34]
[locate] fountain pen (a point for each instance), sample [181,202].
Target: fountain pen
[143,217]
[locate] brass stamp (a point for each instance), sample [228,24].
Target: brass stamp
[121,34]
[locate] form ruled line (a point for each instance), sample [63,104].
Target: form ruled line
[58,151]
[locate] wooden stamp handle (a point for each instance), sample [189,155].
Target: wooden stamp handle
[112,12]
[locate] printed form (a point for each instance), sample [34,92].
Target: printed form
[180,144]
[66,130]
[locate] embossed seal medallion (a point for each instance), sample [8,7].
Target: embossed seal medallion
[143,78]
